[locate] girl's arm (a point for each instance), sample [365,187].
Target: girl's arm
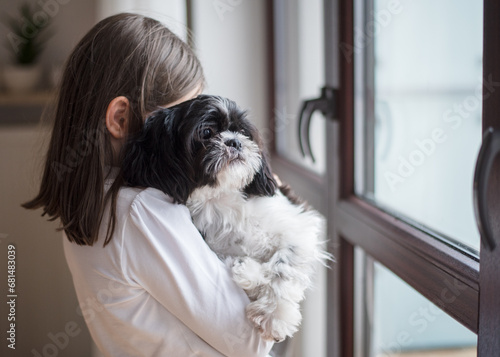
[170,260]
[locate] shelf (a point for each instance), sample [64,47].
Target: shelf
[40,98]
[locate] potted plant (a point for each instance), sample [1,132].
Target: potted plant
[26,41]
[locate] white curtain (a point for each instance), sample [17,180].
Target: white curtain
[172,13]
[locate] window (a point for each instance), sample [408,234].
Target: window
[299,74]
[414,88]
[418,89]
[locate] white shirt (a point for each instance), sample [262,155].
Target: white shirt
[157,289]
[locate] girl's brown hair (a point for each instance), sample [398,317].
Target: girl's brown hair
[123,55]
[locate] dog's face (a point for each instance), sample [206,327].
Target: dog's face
[206,141]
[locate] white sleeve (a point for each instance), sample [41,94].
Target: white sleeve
[166,255]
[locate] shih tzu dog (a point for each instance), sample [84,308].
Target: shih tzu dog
[206,154]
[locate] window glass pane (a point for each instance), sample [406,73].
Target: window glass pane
[422,110]
[407,324]
[299,67]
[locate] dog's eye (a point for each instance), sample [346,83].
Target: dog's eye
[206,133]
[245,132]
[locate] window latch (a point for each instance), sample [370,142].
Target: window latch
[490,149]
[327,104]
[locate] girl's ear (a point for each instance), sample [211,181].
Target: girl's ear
[117,117]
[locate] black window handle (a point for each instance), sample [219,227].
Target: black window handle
[490,148]
[327,105]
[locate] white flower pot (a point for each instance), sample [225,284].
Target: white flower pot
[21,79]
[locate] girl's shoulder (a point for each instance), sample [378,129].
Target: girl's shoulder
[142,193]
[137,200]
[127,196]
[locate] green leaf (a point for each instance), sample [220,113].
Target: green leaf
[25,40]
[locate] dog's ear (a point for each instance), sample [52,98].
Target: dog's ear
[263,183]
[152,158]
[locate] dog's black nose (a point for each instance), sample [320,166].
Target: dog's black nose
[233,143]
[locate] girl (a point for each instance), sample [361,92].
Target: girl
[146,282]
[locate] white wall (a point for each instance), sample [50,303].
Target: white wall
[230,39]
[170,12]
[46,303]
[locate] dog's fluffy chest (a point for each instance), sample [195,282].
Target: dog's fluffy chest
[235,226]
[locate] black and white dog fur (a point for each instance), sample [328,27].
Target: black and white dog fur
[206,154]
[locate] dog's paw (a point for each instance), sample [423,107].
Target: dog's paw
[275,325]
[247,273]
